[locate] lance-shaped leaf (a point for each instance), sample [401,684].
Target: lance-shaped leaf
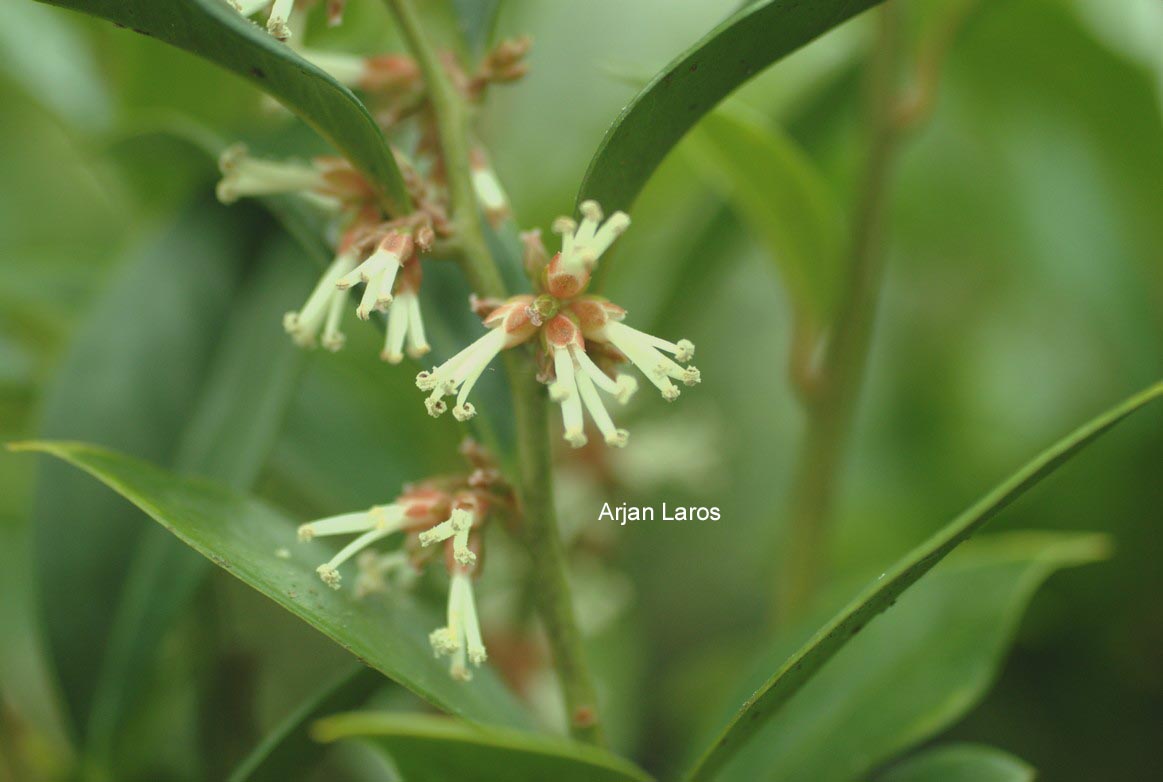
[130,380]
[257,544]
[434,749]
[802,666]
[694,82]
[916,670]
[215,31]
[960,763]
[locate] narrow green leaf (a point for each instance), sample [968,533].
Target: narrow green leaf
[288,752]
[805,663]
[961,763]
[129,381]
[435,749]
[783,199]
[915,671]
[215,31]
[694,82]
[227,436]
[258,545]
[476,20]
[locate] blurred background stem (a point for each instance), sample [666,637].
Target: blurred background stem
[539,520]
[831,395]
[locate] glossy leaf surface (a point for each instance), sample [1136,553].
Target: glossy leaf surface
[215,31]
[258,545]
[804,664]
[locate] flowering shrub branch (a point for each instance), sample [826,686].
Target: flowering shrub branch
[570,340]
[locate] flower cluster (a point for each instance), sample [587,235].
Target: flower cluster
[582,337]
[383,256]
[375,249]
[580,340]
[449,511]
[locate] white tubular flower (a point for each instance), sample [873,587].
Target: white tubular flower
[249,7]
[278,22]
[323,310]
[581,247]
[461,637]
[243,176]
[601,321]
[404,324]
[457,526]
[645,352]
[509,325]
[577,383]
[377,523]
[489,192]
[379,273]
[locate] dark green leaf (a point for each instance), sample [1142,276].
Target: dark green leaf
[213,30]
[774,695]
[915,671]
[783,199]
[244,537]
[960,763]
[694,82]
[288,752]
[435,749]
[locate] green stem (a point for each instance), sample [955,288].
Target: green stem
[535,486]
[836,388]
[451,117]
[554,601]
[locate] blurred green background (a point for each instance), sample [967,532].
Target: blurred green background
[1024,294]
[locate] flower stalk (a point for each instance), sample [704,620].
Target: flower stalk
[535,485]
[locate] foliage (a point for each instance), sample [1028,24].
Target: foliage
[935,187]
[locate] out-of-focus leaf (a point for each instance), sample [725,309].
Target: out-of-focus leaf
[781,196]
[433,749]
[915,671]
[694,82]
[802,666]
[960,763]
[213,30]
[288,752]
[228,435]
[128,381]
[247,539]
[67,81]
[476,20]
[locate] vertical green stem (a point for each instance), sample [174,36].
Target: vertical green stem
[832,403]
[535,486]
[554,601]
[451,117]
